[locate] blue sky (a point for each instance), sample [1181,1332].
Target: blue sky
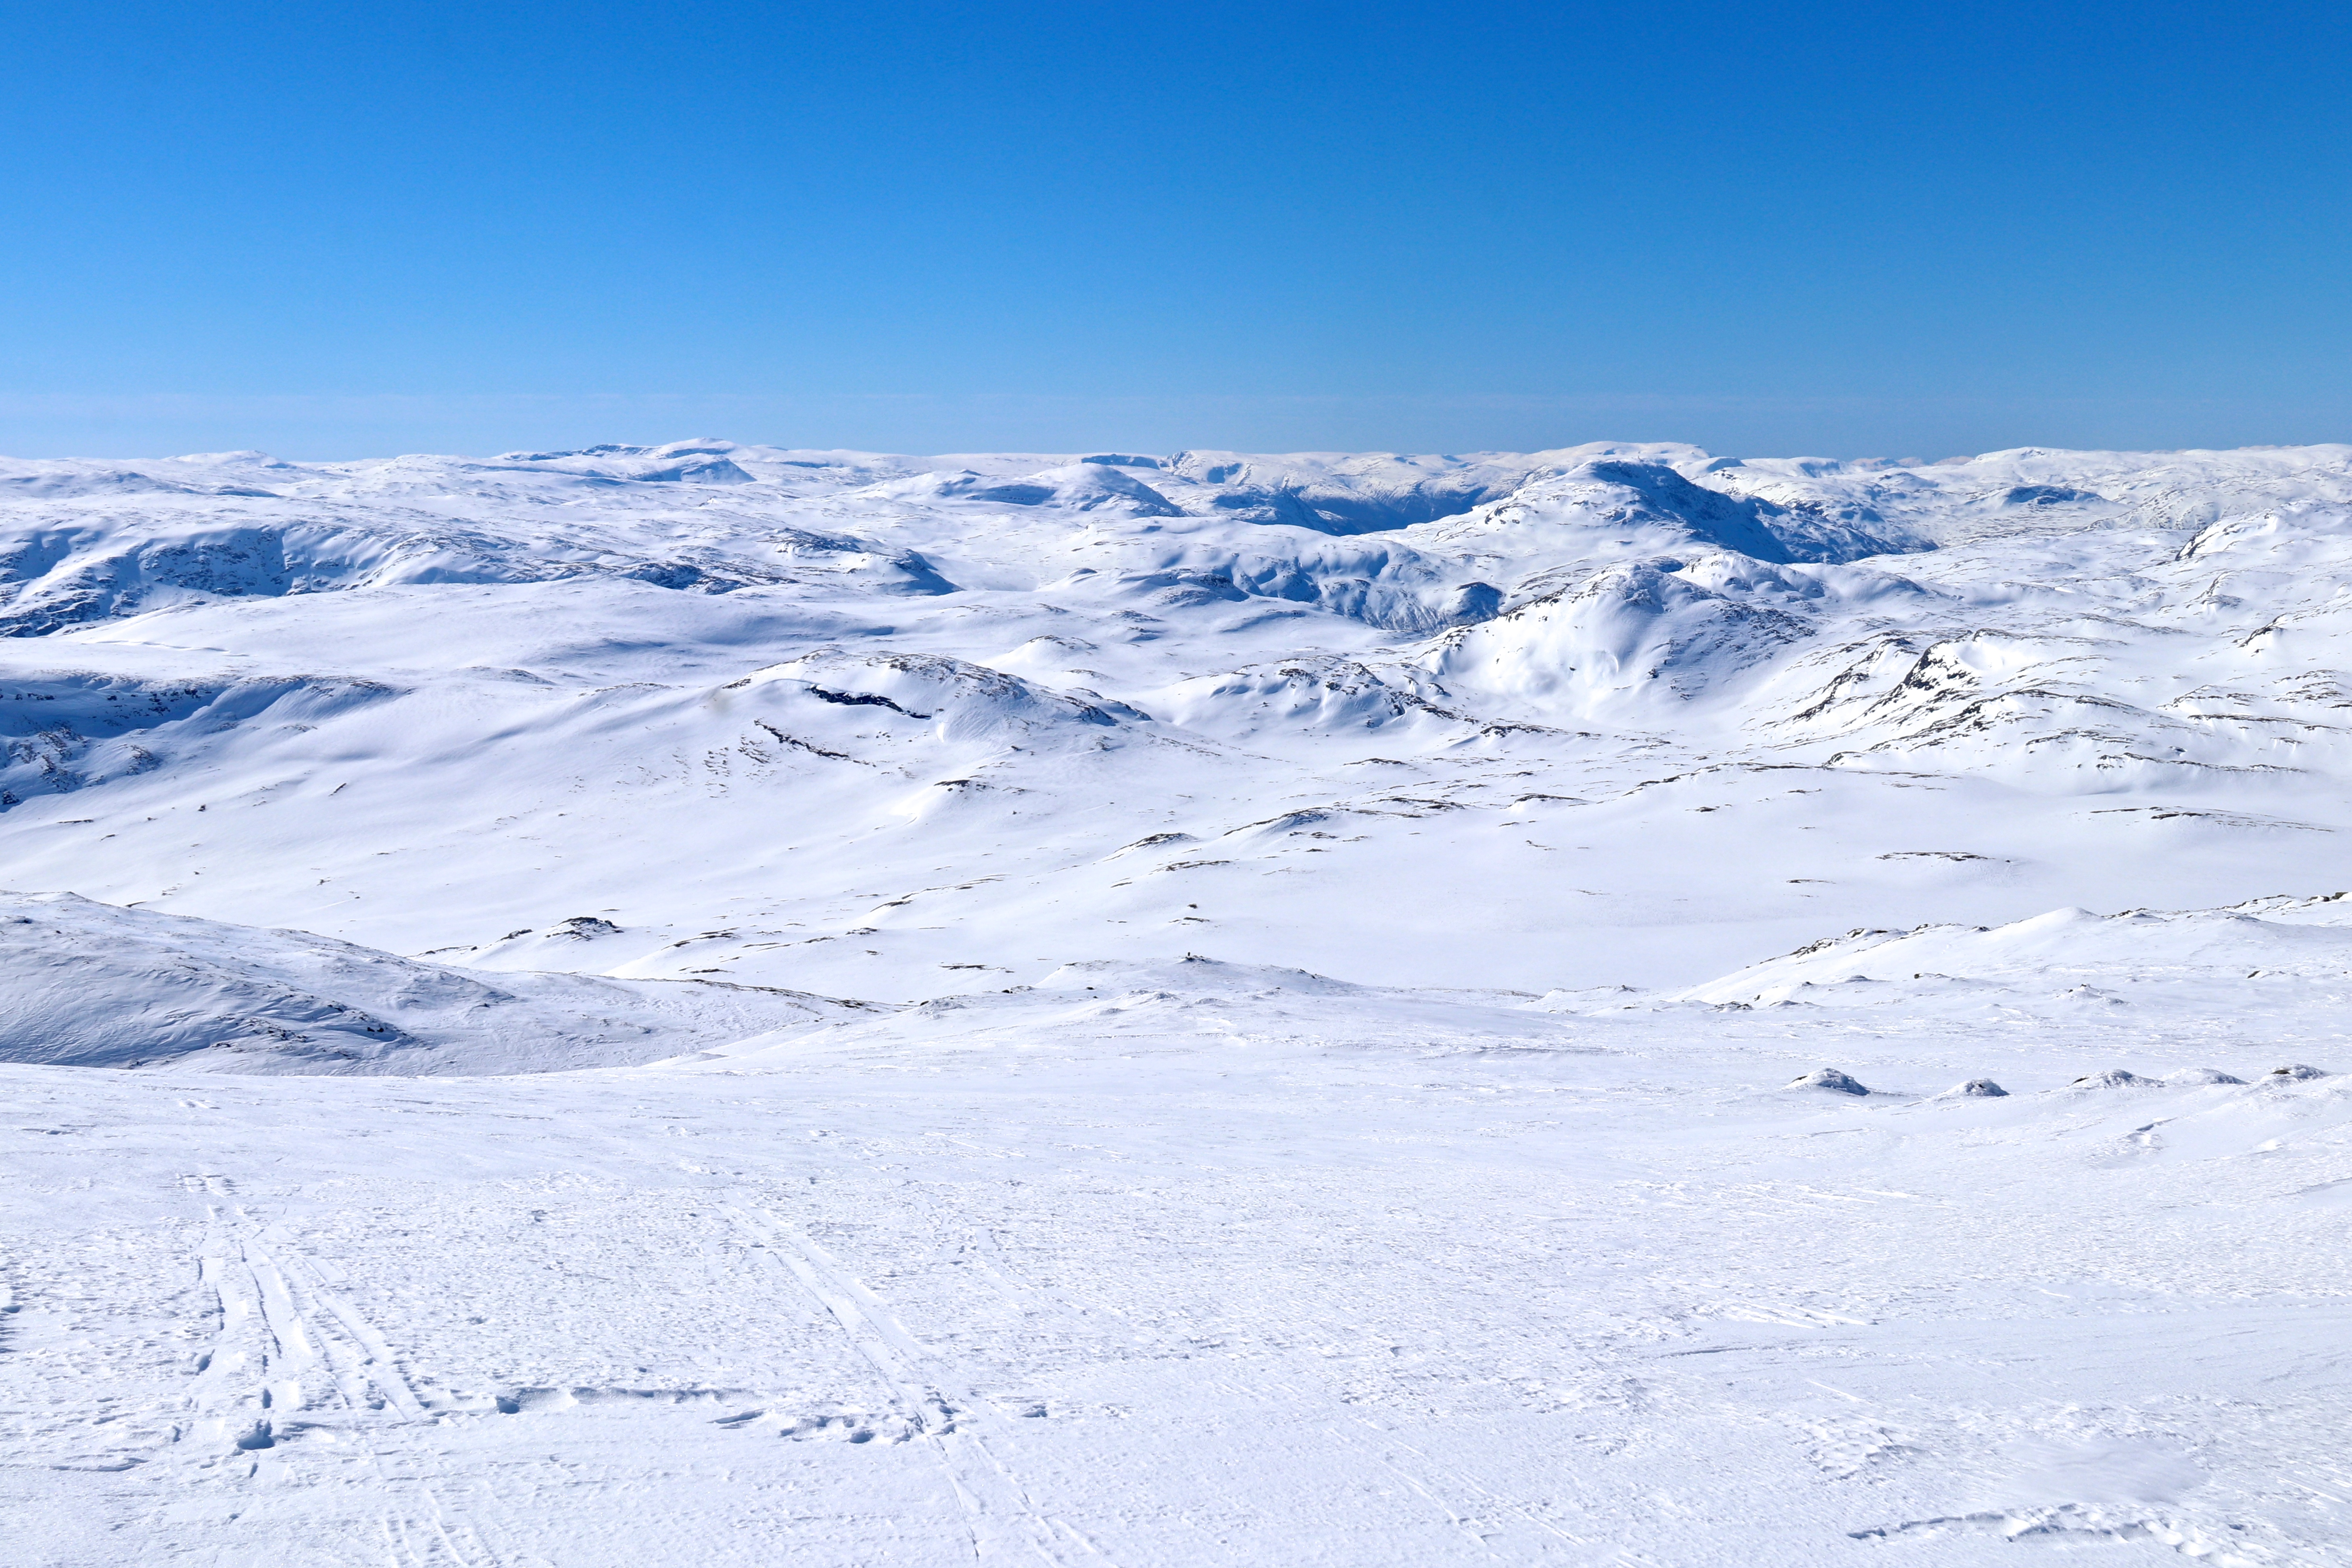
[336,230]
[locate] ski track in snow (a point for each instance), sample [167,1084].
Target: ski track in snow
[718,1004]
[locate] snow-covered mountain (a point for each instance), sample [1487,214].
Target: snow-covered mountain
[850,722]
[1185,1007]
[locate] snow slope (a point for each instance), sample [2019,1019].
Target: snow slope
[89,985]
[717,1003]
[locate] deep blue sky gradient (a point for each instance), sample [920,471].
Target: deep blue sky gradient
[332,230]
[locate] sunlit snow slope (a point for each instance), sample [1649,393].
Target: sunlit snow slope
[1605,1006]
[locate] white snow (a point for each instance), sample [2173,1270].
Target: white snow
[720,1004]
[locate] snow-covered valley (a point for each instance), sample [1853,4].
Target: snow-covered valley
[721,1004]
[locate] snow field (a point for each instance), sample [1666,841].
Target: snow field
[723,1004]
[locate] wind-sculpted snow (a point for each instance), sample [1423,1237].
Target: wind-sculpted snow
[737,1004]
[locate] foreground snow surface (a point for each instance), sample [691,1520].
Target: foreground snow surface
[714,1003]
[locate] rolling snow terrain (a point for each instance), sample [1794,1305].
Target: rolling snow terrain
[719,1004]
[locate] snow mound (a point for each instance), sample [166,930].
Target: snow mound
[2116,1078]
[1829,1078]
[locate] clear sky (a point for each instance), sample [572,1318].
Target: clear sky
[331,229]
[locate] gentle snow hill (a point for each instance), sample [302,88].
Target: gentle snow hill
[86,984]
[2169,958]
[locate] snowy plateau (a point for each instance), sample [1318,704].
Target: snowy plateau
[713,1004]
